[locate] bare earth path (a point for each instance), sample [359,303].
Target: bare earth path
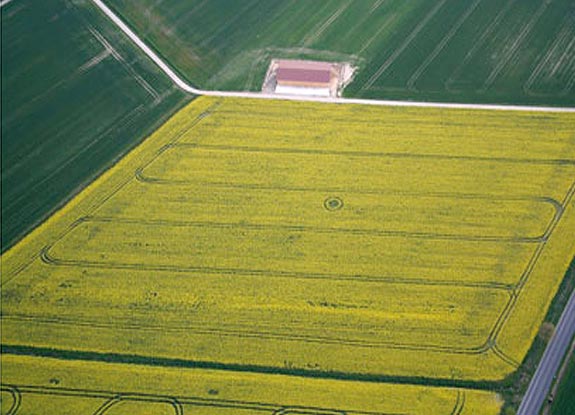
[188,88]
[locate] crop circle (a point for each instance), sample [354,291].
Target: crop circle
[333,203]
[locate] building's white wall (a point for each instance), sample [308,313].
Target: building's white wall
[298,90]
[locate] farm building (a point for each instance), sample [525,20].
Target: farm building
[296,77]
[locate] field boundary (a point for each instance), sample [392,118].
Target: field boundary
[343,101]
[169,362]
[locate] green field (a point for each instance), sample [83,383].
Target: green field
[564,402]
[511,51]
[76,95]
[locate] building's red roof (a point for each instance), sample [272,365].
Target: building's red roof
[301,64]
[303,75]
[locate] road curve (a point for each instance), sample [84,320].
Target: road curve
[550,362]
[190,89]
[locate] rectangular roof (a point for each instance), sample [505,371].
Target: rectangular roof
[301,64]
[303,75]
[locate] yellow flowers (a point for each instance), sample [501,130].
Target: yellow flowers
[82,388]
[311,237]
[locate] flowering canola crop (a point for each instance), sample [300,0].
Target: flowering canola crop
[301,237]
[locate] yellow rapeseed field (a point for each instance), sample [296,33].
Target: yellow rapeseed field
[63,387]
[365,241]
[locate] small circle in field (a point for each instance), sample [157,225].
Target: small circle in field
[333,203]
